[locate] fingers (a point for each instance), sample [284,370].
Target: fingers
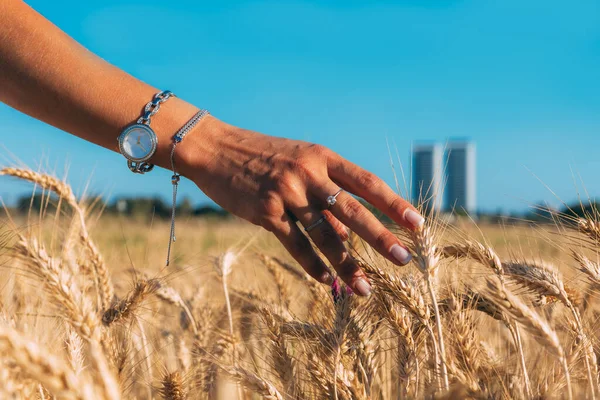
[327,239]
[299,247]
[368,186]
[356,217]
[340,228]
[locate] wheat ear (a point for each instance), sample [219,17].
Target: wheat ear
[172,387]
[546,280]
[590,268]
[126,308]
[76,307]
[74,347]
[401,323]
[253,382]
[476,301]
[532,322]
[479,252]
[43,367]
[408,295]
[63,191]
[590,228]
[284,364]
[427,256]
[282,287]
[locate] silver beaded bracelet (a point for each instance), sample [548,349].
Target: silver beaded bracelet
[178,138]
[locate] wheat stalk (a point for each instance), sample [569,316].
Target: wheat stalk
[184,356]
[223,266]
[172,296]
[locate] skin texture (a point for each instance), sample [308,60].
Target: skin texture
[269,181]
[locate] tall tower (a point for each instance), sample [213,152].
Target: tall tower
[427,175]
[460,179]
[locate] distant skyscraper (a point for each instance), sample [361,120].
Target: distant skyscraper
[460,177]
[427,174]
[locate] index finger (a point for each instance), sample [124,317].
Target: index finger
[367,185]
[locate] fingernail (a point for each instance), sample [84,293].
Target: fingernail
[400,254]
[326,278]
[362,287]
[414,218]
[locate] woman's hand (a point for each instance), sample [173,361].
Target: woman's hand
[263,179]
[272,181]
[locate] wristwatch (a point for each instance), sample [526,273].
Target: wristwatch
[138,142]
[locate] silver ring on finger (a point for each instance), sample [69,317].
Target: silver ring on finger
[331,200]
[315,224]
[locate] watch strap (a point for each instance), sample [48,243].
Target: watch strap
[139,168]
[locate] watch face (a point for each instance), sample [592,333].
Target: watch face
[138,142]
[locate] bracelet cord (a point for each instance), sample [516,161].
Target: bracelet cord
[176,176]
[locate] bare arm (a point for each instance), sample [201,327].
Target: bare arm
[51,77]
[263,179]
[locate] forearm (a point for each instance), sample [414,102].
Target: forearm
[260,178]
[51,77]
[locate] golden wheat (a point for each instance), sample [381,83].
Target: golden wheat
[255,323]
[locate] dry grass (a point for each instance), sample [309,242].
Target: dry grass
[87,310]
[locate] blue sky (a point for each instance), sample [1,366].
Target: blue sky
[520,78]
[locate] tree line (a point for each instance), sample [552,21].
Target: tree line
[129,206]
[156,207]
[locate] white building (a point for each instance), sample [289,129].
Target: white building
[427,168]
[460,177]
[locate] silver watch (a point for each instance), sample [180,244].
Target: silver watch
[138,142]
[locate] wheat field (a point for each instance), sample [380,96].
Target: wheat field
[89,311]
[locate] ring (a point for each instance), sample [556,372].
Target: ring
[331,200]
[315,224]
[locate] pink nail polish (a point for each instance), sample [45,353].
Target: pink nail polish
[362,287]
[400,254]
[414,218]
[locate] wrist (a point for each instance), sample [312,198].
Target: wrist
[172,116]
[195,155]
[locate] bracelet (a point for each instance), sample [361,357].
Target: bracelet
[178,138]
